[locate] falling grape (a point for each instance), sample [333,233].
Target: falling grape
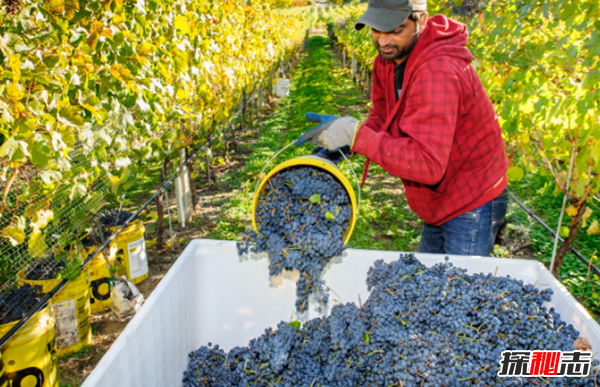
[302,215]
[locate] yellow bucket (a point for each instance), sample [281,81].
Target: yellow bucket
[99,275]
[29,357]
[72,310]
[131,252]
[3,377]
[318,162]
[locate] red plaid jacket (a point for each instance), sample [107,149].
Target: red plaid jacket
[442,137]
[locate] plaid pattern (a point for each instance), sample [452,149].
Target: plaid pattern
[442,137]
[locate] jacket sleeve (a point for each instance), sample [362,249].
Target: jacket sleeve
[428,124]
[377,112]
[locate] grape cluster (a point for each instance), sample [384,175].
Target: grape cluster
[112,218]
[44,269]
[430,327]
[17,302]
[96,238]
[302,215]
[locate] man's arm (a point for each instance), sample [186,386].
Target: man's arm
[429,122]
[378,110]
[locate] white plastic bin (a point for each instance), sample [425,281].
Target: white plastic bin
[212,295]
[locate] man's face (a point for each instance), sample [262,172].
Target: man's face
[396,44]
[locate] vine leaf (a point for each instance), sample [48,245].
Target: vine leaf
[315,199]
[593,229]
[571,211]
[40,154]
[37,244]
[514,173]
[41,219]
[15,235]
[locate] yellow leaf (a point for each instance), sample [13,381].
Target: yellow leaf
[564,232]
[15,67]
[93,110]
[571,211]
[14,92]
[181,24]
[115,183]
[144,48]
[525,138]
[128,34]
[593,229]
[588,212]
[107,33]
[41,219]
[150,243]
[15,235]
[37,244]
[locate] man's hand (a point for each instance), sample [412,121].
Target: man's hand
[333,133]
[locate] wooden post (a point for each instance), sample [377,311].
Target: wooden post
[160,211]
[190,168]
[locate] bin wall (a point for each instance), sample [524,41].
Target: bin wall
[212,295]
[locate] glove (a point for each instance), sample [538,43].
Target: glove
[333,156]
[333,133]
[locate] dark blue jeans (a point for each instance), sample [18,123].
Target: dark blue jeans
[472,233]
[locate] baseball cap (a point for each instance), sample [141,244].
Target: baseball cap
[387,15]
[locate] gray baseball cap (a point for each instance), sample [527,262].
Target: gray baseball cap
[387,15]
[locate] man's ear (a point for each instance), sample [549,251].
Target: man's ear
[424,20]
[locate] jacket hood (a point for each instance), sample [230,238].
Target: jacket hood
[441,37]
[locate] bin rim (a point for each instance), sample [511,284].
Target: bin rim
[318,162]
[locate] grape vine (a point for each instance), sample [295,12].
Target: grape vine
[94,93]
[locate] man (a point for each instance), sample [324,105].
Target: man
[431,124]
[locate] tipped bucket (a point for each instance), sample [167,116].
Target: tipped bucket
[315,162]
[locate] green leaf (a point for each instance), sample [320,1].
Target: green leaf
[329,215]
[366,337]
[514,173]
[77,191]
[315,199]
[296,324]
[8,148]
[564,232]
[15,235]
[40,154]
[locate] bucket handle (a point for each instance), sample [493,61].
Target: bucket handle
[287,146]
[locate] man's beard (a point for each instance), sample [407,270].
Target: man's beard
[399,52]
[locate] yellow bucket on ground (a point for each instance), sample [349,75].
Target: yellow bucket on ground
[72,310]
[131,252]
[29,357]
[318,162]
[3,377]
[99,277]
